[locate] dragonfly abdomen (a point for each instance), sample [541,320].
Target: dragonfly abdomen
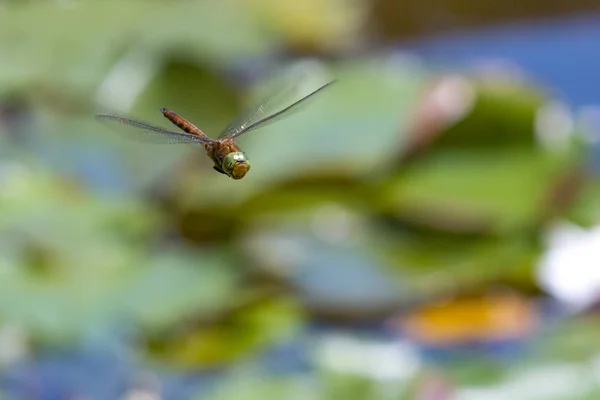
[182,123]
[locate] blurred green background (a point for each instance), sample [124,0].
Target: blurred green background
[426,228]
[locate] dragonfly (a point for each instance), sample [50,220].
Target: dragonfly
[227,156]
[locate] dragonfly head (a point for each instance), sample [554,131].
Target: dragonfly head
[236,165]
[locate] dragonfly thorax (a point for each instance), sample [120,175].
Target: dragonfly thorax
[236,164]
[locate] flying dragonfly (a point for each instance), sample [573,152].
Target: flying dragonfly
[227,156]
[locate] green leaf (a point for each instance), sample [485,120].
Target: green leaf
[495,192]
[248,328]
[73,47]
[177,286]
[429,264]
[74,264]
[502,116]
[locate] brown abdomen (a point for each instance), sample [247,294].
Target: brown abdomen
[182,123]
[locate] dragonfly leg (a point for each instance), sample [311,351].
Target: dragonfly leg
[219,170]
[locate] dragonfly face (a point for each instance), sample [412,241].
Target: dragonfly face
[236,165]
[223,150]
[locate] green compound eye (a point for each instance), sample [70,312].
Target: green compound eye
[236,165]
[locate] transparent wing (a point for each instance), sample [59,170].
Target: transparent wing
[147,133]
[278,105]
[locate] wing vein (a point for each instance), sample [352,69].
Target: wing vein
[262,114]
[148,133]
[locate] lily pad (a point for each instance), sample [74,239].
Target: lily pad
[503,115]
[495,192]
[75,51]
[327,255]
[177,286]
[249,328]
[76,264]
[432,265]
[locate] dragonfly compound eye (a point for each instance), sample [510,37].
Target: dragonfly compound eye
[236,165]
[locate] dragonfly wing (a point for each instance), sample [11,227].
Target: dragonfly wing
[274,107]
[147,133]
